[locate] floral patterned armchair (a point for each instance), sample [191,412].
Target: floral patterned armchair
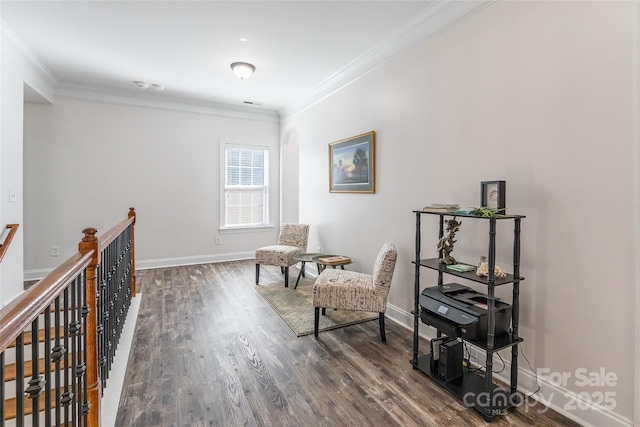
[350,290]
[292,241]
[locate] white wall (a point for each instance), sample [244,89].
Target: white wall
[539,94]
[11,173]
[290,178]
[17,75]
[87,162]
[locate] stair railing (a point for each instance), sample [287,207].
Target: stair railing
[7,241]
[82,305]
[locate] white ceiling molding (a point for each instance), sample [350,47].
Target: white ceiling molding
[37,75]
[155,100]
[433,20]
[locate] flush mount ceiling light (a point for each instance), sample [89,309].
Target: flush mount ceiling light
[243,69]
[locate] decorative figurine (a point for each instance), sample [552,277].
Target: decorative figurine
[483,269]
[446,242]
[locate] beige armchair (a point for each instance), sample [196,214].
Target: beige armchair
[292,241]
[350,290]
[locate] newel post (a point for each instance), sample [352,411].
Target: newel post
[132,214]
[88,244]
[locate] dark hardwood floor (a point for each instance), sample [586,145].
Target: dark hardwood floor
[210,351]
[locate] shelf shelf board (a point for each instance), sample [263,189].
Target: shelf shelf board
[499,343]
[434,264]
[471,385]
[469,215]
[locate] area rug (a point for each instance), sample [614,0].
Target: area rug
[295,306]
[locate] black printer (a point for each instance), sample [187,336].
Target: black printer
[460,311]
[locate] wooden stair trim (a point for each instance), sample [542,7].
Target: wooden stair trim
[10,370]
[28,338]
[10,405]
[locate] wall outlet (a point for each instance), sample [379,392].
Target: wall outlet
[55,251]
[218,240]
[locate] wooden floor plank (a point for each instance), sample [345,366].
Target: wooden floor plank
[209,351]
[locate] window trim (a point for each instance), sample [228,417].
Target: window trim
[222,228]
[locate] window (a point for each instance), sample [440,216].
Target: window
[246,186]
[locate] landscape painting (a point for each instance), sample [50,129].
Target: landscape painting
[352,164]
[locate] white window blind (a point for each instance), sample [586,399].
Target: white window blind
[246,186]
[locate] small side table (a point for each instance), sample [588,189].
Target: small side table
[322,265]
[305,258]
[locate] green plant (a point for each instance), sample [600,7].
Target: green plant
[486,212]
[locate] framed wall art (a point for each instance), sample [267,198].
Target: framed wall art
[493,195]
[352,166]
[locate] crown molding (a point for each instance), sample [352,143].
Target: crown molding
[22,51]
[434,19]
[163,102]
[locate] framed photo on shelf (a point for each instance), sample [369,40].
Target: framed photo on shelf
[493,195]
[352,166]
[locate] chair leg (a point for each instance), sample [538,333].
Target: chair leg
[316,321]
[382,334]
[257,273]
[324,311]
[300,273]
[286,277]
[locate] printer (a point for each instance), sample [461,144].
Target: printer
[460,311]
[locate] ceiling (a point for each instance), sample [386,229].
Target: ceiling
[299,48]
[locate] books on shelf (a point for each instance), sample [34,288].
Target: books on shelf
[334,259]
[441,208]
[461,268]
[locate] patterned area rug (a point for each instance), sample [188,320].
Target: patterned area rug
[295,306]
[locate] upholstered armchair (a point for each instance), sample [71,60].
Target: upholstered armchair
[350,290]
[292,241]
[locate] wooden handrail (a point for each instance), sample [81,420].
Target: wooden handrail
[18,314]
[13,228]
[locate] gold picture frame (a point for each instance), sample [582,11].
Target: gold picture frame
[352,164]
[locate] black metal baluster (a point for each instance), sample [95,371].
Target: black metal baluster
[109,303]
[36,383]
[85,315]
[112,286]
[73,334]
[116,296]
[67,395]
[47,364]
[80,365]
[122,264]
[101,307]
[20,380]
[57,354]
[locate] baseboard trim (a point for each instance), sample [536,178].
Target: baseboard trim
[148,264]
[560,399]
[191,260]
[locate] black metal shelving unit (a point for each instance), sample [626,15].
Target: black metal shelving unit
[476,389]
